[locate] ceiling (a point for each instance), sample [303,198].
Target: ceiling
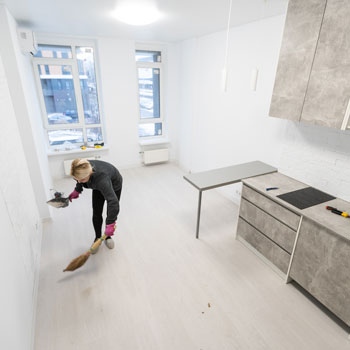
[181,19]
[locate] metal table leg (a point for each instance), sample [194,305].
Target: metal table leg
[199,212]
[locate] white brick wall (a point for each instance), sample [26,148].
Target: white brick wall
[319,157]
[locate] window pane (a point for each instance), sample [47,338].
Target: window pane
[85,58]
[54,51]
[149,92]
[65,136]
[58,91]
[151,129]
[94,134]
[148,56]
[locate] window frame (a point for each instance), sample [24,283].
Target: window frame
[161,66]
[73,63]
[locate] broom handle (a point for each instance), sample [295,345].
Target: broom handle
[98,243]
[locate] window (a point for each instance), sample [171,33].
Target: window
[68,93]
[149,77]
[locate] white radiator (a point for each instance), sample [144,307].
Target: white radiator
[156,156]
[68,163]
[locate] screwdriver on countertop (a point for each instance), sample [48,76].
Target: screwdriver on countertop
[336,211]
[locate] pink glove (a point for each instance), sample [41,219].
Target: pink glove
[110,229]
[73,195]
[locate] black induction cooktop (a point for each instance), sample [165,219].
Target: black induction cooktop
[306,197]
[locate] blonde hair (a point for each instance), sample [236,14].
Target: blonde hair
[80,168]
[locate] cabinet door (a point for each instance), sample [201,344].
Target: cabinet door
[279,233]
[272,208]
[301,32]
[328,92]
[271,251]
[321,265]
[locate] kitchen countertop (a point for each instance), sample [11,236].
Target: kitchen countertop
[317,213]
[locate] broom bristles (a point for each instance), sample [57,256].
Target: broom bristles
[77,262]
[81,259]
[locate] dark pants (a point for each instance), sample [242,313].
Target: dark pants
[98,202]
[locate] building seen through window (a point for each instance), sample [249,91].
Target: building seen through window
[149,68]
[69,94]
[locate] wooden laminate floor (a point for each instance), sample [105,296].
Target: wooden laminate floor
[160,288]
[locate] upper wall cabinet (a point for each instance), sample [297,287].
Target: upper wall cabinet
[315,86]
[328,92]
[301,32]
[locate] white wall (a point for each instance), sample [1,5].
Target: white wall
[118,78]
[118,96]
[187,103]
[18,70]
[172,97]
[20,232]
[220,129]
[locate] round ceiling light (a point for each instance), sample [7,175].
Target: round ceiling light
[137,14]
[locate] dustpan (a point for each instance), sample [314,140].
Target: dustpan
[58,201]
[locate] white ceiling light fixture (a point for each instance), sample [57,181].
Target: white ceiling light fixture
[224,70]
[137,13]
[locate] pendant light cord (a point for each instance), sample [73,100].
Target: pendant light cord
[227,34]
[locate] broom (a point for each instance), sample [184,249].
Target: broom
[81,259]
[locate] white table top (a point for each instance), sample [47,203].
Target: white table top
[225,176]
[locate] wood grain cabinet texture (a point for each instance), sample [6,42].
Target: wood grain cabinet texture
[267,227]
[321,265]
[313,76]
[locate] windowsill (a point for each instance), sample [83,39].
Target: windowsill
[154,141]
[78,150]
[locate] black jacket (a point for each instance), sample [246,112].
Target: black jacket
[106,179]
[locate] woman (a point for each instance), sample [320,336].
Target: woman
[106,184]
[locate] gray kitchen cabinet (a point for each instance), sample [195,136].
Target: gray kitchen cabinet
[269,206]
[312,82]
[319,259]
[328,92]
[321,265]
[278,232]
[301,32]
[265,246]
[267,227]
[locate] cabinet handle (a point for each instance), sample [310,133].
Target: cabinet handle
[346,117]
